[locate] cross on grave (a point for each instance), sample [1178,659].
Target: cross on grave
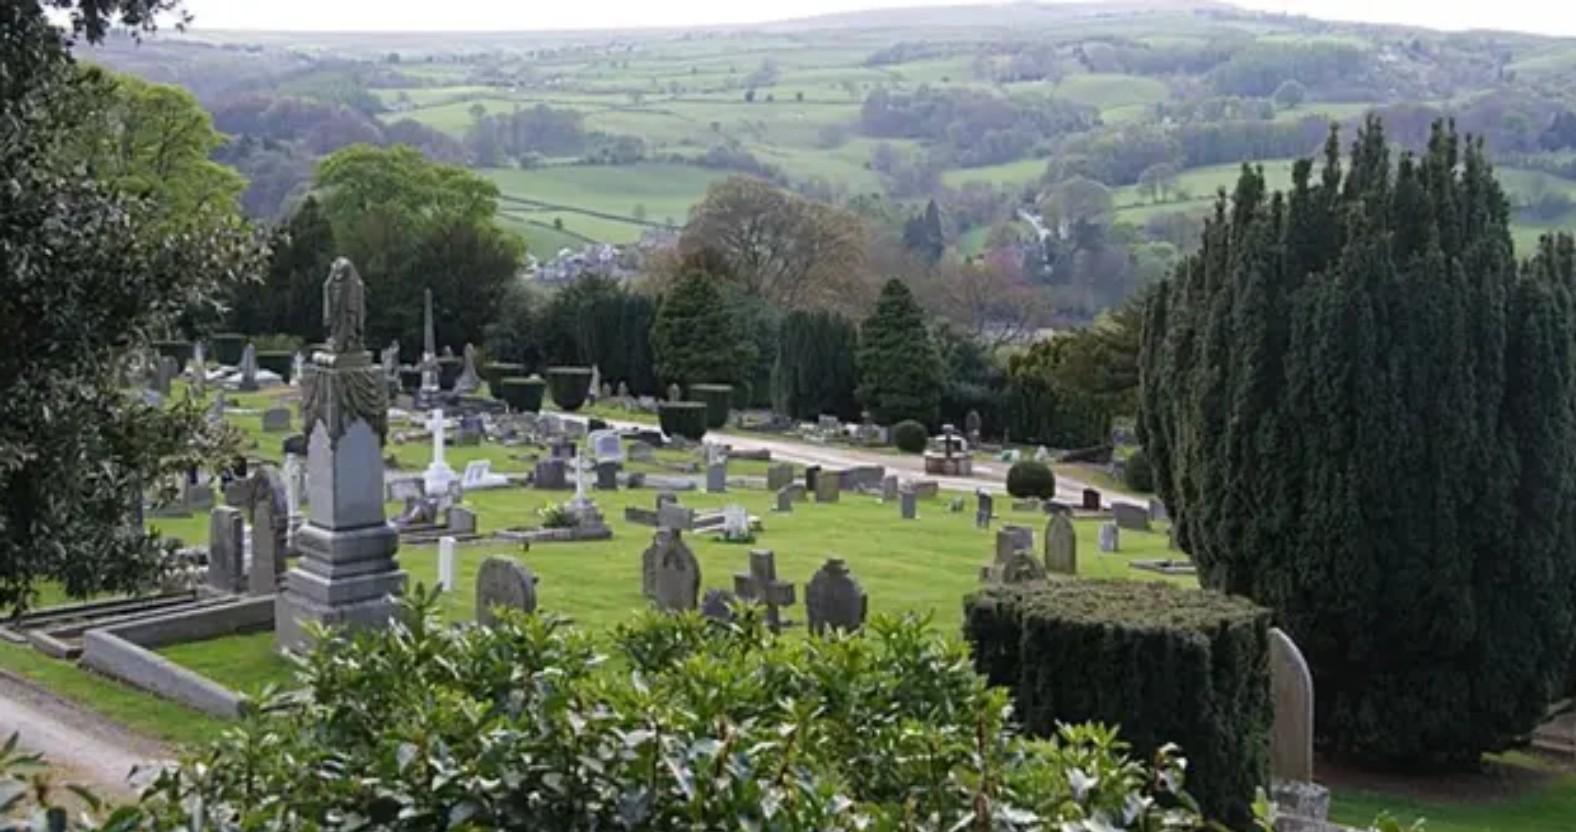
[760,585]
[439,477]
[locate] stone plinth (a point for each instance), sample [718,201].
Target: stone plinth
[953,465]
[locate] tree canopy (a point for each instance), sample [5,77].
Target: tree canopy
[899,369]
[694,338]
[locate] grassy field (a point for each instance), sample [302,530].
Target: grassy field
[660,191]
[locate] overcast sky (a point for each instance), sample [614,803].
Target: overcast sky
[1542,16]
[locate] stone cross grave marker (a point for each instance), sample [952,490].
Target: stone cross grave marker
[908,504]
[1131,517]
[1291,691]
[501,582]
[439,477]
[676,517]
[226,549]
[984,510]
[760,585]
[1061,545]
[833,600]
[669,572]
[779,476]
[1109,537]
[446,566]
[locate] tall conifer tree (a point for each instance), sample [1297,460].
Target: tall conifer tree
[899,368]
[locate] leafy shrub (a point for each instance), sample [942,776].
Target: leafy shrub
[569,386]
[556,516]
[718,399]
[692,725]
[523,395]
[181,351]
[1075,651]
[496,371]
[227,347]
[910,436]
[686,419]
[1031,478]
[1137,474]
[276,362]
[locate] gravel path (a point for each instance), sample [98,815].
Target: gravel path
[78,745]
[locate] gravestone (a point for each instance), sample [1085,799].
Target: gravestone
[163,373]
[833,600]
[717,605]
[784,501]
[1291,691]
[1109,537]
[926,489]
[461,520]
[675,393]
[1131,517]
[606,446]
[1091,499]
[908,504]
[812,474]
[248,368]
[984,510]
[403,491]
[469,381]
[276,420]
[1157,510]
[551,474]
[760,585]
[676,517]
[478,476]
[1061,545]
[828,488]
[227,550]
[889,488]
[1011,540]
[501,582]
[446,565]
[607,476]
[717,477]
[735,523]
[669,573]
[972,423]
[1021,568]
[796,492]
[270,510]
[779,476]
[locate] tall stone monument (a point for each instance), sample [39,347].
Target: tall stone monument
[429,356]
[347,575]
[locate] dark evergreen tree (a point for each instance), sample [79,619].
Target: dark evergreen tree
[923,234]
[596,321]
[694,340]
[899,370]
[289,300]
[1361,414]
[815,372]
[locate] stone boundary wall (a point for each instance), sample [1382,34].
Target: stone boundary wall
[125,652]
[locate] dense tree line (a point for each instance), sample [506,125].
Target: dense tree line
[974,128]
[1359,410]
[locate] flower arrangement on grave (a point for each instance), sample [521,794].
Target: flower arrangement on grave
[557,516]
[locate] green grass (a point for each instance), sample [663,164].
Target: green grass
[1021,172]
[664,190]
[244,663]
[1547,806]
[1111,91]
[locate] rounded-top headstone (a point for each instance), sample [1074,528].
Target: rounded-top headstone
[502,582]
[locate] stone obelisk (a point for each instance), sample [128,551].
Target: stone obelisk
[427,396]
[347,575]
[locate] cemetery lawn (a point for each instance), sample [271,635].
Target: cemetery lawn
[1517,792]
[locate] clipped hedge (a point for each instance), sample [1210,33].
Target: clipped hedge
[227,347]
[1168,664]
[1137,474]
[496,371]
[718,399]
[276,362]
[523,395]
[569,386]
[910,436]
[181,351]
[449,369]
[1030,478]
[686,419]
[409,379]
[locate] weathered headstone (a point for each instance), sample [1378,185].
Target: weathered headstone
[1110,538]
[828,488]
[606,446]
[717,605]
[784,501]
[796,492]
[227,549]
[833,600]
[735,523]
[501,582]
[551,474]
[446,565]
[717,477]
[461,520]
[270,509]
[1157,510]
[670,575]
[984,510]
[676,517]
[248,368]
[675,393]
[276,420]
[760,585]
[1291,691]
[779,476]
[908,503]
[469,380]
[1061,545]
[1091,499]
[1131,517]
[812,473]
[1013,539]
[607,475]
[889,488]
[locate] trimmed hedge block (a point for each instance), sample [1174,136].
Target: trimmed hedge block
[276,362]
[181,351]
[449,369]
[1167,664]
[496,371]
[1137,474]
[569,386]
[686,419]
[910,436]
[409,379]
[523,395]
[227,347]
[718,399]
[1030,478]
